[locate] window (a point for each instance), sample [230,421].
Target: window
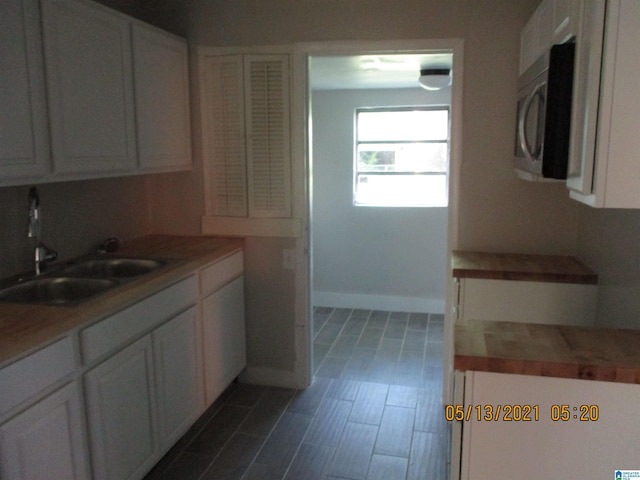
[402,157]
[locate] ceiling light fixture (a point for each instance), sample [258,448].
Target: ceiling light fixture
[435,78]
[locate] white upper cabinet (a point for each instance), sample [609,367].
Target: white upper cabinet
[246,112]
[161,78]
[604,170]
[88,92]
[24,148]
[553,22]
[565,20]
[90,88]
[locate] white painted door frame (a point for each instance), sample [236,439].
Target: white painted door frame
[301,149]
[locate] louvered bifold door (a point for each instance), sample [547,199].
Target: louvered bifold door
[224,132]
[268,138]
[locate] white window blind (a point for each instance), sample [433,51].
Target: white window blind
[225,137]
[268,138]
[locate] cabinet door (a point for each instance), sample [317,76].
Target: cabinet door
[247,139]
[586,96]
[161,80]
[24,148]
[618,143]
[90,88]
[178,371]
[268,137]
[224,136]
[565,14]
[588,439]
[544,14]
[46,441]
[224,337]
[528,44]
[121,412]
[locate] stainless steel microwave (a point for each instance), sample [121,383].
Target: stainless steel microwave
[544,114]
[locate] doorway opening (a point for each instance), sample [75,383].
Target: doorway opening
[371,281]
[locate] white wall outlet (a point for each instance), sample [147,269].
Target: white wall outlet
[288,259]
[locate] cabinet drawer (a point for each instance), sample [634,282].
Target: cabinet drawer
[25,378]
[528,302]
[220,273]
[133,321]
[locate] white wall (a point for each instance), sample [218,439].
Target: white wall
[370,257]
[76,218]
[609,242]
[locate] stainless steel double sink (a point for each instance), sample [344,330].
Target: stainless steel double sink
[78,280]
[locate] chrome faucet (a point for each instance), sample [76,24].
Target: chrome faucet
[42,253]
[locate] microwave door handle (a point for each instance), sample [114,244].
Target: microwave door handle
[522,134]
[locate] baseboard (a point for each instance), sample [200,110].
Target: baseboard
[269,377]
[378,302]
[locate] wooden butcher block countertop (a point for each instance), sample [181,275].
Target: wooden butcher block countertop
[509,266]
[26,327]
[548,350]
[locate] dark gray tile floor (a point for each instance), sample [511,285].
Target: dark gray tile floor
[373,411]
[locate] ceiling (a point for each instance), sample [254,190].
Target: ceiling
[373,71]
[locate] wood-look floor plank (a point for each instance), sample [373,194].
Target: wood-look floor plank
[370,337]
[428,456]
[235,458]
[216,433]
[308,400]
[282,445]
[188,466]
[384,467]
[343,389]
[414,341]
[369,403]
[266,412]
[403,396]
[311,463]
[418,321]
[355,326]
[329,422]
[259,471]
[396,430]
[354,452]
[378,319]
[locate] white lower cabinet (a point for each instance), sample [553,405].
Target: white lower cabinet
[46,441]
[223,337]
[577,429]
[143,369]
[178,373]
[142,399]
[525,301]
[121,411]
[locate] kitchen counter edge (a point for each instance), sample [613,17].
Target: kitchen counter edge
[522,267]
[561,351]
[27,328]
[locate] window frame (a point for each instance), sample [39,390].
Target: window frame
[356,143]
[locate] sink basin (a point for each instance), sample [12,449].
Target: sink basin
[56,290]
[113,267]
